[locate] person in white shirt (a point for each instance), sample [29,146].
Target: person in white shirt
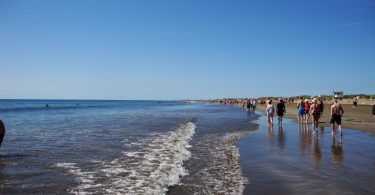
[270,112]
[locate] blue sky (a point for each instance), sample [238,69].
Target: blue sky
[156,49]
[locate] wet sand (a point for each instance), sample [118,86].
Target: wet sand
[361,118]
[294,160]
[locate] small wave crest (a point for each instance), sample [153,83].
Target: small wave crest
[149,169]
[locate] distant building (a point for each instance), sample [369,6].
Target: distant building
[338,95]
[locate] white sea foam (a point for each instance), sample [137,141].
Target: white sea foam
[221,173]
[149,170]
[229,179]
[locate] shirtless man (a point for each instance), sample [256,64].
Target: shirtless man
[315,114]
[355,101]
[336,113]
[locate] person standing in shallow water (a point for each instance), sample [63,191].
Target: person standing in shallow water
[315,114]
[336,113]
[2,131]
[269,112]
[321,107]
[307,111]
[280,110]
[300,110]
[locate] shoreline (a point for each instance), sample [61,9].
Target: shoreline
[359,119]
[295,160]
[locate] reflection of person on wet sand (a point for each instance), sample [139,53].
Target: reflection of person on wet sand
[337,156]
[2,131]
[321,130]
[280,138]
[317,154]
[305,139]
[270,134]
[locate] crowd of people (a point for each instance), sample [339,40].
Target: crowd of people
[308,110]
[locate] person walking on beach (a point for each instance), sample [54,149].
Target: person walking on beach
[336,148]
[355,101]
[300,110]
[336,113]
[315,114]
[269,112]
[254,104]
[321,107]
[243,104]
[307,111]
[248,105]
[280,110]
[2,131]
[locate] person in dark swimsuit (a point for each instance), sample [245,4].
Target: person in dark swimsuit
[321,107]
[280,109]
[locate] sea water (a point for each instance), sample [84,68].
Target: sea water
[121,147]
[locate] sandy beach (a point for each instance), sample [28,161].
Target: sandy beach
[361,118]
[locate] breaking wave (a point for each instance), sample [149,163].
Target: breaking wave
[149,168]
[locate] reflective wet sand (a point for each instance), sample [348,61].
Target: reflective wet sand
[293,159]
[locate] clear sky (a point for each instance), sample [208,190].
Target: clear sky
[156,49]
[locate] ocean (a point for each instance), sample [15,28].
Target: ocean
[121,147]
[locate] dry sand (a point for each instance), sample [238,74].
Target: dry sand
[361,118]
